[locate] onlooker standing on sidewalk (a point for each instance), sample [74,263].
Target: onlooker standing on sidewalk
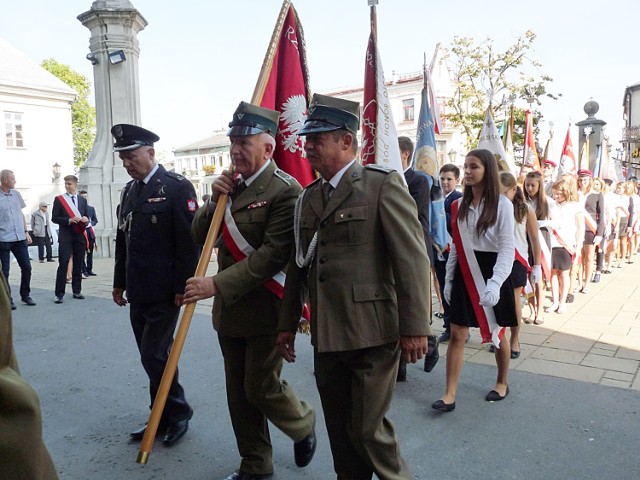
[87,265]
[41,228]
[14,235]
[70,213]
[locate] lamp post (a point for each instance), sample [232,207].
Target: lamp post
[55,169]
[452,156]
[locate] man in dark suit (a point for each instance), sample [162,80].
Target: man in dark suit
[154,257]
[70,213]
[248,289]
[87,265]
[360,255]
[420,190]
[449,177]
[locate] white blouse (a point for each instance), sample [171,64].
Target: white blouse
[498,238]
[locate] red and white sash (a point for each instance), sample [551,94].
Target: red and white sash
[241,249]
[72,211]
[474,282]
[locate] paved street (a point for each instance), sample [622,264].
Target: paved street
[573,411]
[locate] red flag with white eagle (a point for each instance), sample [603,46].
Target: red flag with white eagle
[379,137]
[287,90]
[568,159]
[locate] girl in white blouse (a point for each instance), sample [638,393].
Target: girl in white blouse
[566,239]
[477,283]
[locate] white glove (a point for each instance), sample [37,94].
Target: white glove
[536,274]
[491,294]
[447,292]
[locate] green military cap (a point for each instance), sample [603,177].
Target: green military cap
[330,113]
[130,137]
[250,120]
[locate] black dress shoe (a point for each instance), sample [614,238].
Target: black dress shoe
[175,432]
[570,298]
[78,296]
[58,299]
[248,476]
[305,449]
[29,301]
[444,337]
[13,305]
[50,260]
[443,407]
[91,274]
[433,355]
[494,396]
[138,435]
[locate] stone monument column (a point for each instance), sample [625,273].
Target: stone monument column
[114,51]
[592,128]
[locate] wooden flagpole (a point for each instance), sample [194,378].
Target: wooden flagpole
[201,270]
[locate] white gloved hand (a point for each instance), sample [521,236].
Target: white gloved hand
[491,294]
[447,292]
[536,274]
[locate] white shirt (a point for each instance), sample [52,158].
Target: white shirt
[498,238]
[335,180]
[566,224]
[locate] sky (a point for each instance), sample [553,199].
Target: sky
[199,58]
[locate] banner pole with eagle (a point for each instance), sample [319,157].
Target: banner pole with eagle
[201,270]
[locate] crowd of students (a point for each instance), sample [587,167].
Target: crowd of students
[514,240]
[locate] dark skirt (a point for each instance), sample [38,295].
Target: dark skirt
[588,237]
[560,259]
[518,274]
[462,313]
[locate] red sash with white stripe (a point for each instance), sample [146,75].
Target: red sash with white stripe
[241,249]
[72,211]
[473,280]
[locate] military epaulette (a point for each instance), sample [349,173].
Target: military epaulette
[379,168]
[284,176]
[175,175]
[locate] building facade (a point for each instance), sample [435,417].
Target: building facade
[38,141]
[631,130]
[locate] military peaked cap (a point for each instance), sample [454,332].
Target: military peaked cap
[330,113]
[130,137]
[250,119]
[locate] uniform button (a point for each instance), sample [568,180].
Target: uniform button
[321,278]
[350,215]
[323,242]
[323,223]
[377,294]
[235,297]
[322,260]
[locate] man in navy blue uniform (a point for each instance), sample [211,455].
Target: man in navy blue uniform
[155,255]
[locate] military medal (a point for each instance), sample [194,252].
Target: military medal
[154,219]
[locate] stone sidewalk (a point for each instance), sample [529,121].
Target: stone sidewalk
[596,341]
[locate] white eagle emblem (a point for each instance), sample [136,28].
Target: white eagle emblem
[292,118]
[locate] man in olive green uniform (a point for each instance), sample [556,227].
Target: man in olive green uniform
[253,249]
[22,452]
[361,254]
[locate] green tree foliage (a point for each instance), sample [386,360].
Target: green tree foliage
[482,76]
[83,114]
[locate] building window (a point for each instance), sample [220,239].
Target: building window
[441,148]
[407,108]
[13,129]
